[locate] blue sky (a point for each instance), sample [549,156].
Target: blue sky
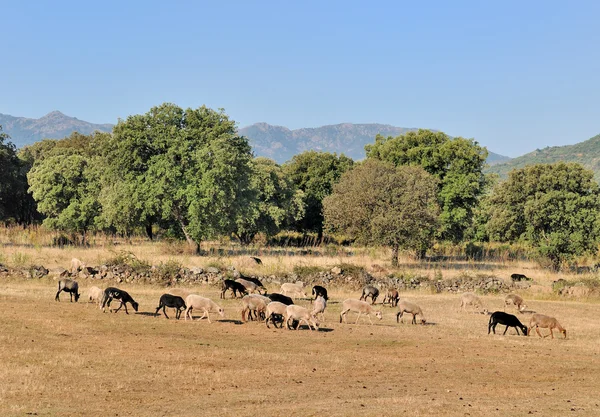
[514,75]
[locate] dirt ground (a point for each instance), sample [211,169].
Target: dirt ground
[62,358]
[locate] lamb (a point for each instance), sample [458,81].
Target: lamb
[392,297]
[545,322]
[172,301]
[360,307]
[250,286]
[207,305]
[500,317]
[95,294]
[370,291]
[293,289]
[410,308]
[319,307]
[470,299]
[516,300]
[254,303]
[294,312]
[235,288]
[70,286]
[284,299]
[112,293]
[319,291]
[275,308]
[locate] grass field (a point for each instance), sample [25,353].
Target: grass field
[71,359]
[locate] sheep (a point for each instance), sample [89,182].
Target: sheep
[95,294]
[76,265]
[500,317]
[317,291]
[179,292]
[516,300]
[294,312]
[254,303]
[370,291]
[256,281]
[319,307]
[207,305]
[266,300]
[112,293]
[284,299]
[545,322]
[360,307]
[293,289]
[392,297]
[275,308]
[250,286]
[470,299]
[235,288]
[70,286]
[410,308]
[172,301]
[519,277]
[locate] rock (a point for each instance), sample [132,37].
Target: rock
[38,271]
[336,270]
[197,270]
[58,272]
[212,270]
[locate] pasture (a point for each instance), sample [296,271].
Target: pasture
[62,358]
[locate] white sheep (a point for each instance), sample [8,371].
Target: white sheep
[410,308]
[295,312]
[254,303]
[319,307]
[545,322]
[516,300]
[293,289]
[250,286]
[207,305]
[470,299]
[95,295]
[360,307]
[274,307]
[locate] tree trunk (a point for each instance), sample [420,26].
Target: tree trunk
[395,249]
[149,230]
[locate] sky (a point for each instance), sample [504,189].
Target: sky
[514,75]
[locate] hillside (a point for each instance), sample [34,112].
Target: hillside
[54,125]
[586,153]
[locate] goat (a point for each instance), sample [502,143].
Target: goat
[360,307]
[516,300]
[410,308]
[70,286]
[317,291]
[370,291]
[500,317]
[319,307]
[392,297]
[545,322]
[284,299]
[235,288]
[171,301]
[294,312]
[112,293]
[207,305]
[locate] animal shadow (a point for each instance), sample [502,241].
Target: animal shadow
[147,313]
[238,322]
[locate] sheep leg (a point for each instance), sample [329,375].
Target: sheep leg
[551,333]
[537,329]
[207,314]
[369,316]
[414,319]
[357,318]
[343,314]
[165,311]
[125,305]
[300,322]
[121,305]
[505,330]
[57,298]
[399,316]
[71,296]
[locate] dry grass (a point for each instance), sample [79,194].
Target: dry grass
[71,359]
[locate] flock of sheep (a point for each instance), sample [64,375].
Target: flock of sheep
[279,308]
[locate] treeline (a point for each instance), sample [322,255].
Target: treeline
[188,174]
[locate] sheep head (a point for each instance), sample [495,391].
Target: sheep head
[77,295]
[378,315]
[221,312]
[135,306]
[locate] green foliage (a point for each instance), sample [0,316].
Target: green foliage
[315,174]
[457,163]
[128,259]
[553,207]
[305,271]
[377,203]
[351,269]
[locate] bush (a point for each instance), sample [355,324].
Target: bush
[126,258]
[304,271]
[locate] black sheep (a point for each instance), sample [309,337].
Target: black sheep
[70,286]
[171,301]
[234,286]
[317,290]
[500,317]
[112,293]
[283,299]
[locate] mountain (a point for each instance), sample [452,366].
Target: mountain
[281,143]
[586,153]
[494,158]
[55,125]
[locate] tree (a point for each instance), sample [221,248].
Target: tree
[457,163]
[275,202]
[187,167]
[554,207]
[315,173]
[377,203]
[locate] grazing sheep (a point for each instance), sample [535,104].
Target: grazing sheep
[470,299]
[171,301]
[253,303]
[76,265]
[250,286]
[319,307]
[516,300]
[500,317]
[207,305]
[519,277]
[360,307]
[301,314]
[95,295]
[235,288]
[180,292]
[545,322]
[256,281]
[274,310]
[284,299]
[370,291]
[410,308]
[112,293]
[293,289]
[70,286]
[392,297]
[319,291]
